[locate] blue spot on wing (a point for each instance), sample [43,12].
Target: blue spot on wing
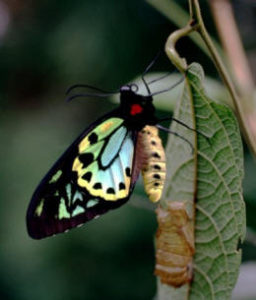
[126,153]
[116,173]
[113,146]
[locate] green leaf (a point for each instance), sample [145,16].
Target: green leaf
[209,181]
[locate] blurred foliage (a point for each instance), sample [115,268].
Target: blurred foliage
[45,46]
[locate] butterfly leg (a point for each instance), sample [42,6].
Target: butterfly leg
[186,126]
[179,122]
[176,134]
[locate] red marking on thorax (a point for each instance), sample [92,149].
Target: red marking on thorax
[135,109]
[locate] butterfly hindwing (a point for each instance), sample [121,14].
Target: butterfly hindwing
[94,175]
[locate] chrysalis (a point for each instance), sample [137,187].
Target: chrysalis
[174,245]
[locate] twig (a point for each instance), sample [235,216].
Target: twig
[244,106]
[177,15]
[245,110]
[230,39]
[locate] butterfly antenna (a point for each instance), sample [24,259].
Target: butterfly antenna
[72,87]
[145,83]
[168,89]
[70,98]
[161,77]
[146,71]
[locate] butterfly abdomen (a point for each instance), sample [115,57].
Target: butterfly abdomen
[153,162]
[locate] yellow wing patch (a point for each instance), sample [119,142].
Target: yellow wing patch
[106,126]
[84,145]
[101,183]
[101,131]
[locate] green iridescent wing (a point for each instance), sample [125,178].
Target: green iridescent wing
[94,175]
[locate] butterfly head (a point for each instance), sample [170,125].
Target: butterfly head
[137,109]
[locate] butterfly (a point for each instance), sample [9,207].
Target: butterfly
[97,173]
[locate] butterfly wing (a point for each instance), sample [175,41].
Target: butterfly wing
[94,175]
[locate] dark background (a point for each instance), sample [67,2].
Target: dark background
[46,46]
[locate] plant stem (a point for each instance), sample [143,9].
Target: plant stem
[244,113]
[180,63]
[178,16]
[229,35]
[244,106]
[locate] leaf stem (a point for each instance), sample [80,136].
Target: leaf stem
[242,110]
[228,31]
[180,63]
[245,111]
[178,16]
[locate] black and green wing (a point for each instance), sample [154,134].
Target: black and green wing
[94,175]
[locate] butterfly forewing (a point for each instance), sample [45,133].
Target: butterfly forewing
[94,175]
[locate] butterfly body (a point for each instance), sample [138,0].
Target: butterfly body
[137,110]
[154,163]
[97,172]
